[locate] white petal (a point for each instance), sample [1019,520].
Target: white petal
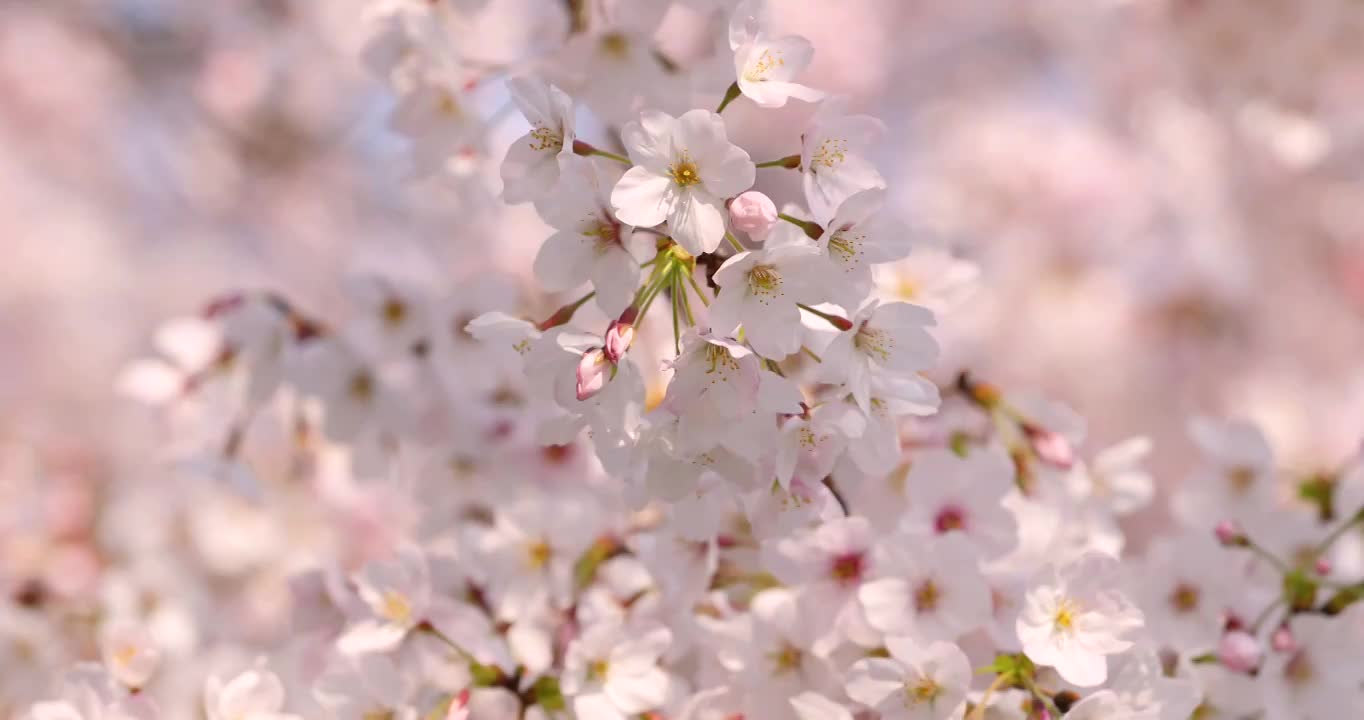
[642,197]
[530,171]
[696,221]
[872,680]
[564,261]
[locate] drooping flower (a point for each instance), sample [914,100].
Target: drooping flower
[833,156]
[531,170]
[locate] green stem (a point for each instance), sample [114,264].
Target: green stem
[585,148]
[1268,556]
[686,301]
[839,322]
[1330,539]
[790,162]
[1264,615]
[731,94]
[565,313]
[618,158]
[812,229]
[738,247]
[692,279]
[979,712]
[430,629]
[1043,697]
[677,326]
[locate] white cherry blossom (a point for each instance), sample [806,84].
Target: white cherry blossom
[684,169]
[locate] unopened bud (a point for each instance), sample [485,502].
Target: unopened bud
[621,334]
[1283,641]
[753,213]
[1052,447]
[1229,534]
[1239,651]
[592,373]
[459,706]
[1322,567]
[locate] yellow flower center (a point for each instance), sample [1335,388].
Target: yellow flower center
[764,280]
[719,358]
[543,138]
[395,608]
[785,660]
[1184,598]
[125,655]
[830,154]
[394,311]
[926,596]
[1241,479]
[684,172]
[923,691]
[873,342]
[597,669]
[448,105]
[538,554]
[362,386]
[766,62]
[1064,617]
[605,235]
[615,46]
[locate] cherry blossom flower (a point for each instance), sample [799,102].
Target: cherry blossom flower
[1074,619]
[684,169]
[890,338]
[936,592]
[833,161]
[589,243]
[255,694]
[611,674]
[531,169]
[766,66]
[397,595]
[761,290]
[917,682]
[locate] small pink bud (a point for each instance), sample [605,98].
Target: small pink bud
[1323,567]
[1052,447]
[618,339]
[459,706]
[1239,651]
[591,373]
[621,334]
[1228,533]
[753,213]
[1283,641]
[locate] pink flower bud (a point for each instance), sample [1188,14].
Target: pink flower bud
[1052,447]
[1228,533]
[1323,567]
[459,706]
[1239,651]
[1283,641]
[591,373]
[618,339]
[621,334]
[753,213]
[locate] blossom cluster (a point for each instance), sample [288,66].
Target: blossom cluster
[713,477]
